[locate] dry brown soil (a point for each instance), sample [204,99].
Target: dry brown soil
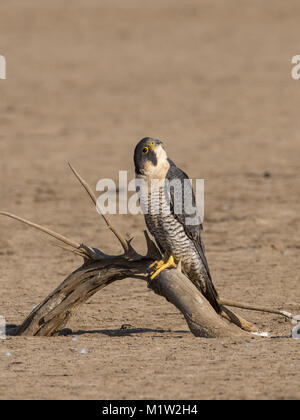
[85,81]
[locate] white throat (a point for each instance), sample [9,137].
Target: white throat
[158,171]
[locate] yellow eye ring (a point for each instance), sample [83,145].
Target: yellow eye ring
[145,150]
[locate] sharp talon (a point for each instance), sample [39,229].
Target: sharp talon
[162,265]
[157,264]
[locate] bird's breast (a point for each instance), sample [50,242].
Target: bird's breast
[162,223]
[168,232]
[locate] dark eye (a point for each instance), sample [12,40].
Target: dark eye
[145,150]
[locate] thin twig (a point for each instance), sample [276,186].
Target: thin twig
[74,251]
[90,192]
[254,308]
[50,232]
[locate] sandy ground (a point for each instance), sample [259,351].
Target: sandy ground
[85,81]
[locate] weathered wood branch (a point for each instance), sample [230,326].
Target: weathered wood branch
[100,270]
[201,318]
[128,250]
[52,315]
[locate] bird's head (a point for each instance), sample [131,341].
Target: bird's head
[150,158]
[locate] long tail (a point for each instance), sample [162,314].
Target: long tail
[212,295]
[208,289]
[204,284]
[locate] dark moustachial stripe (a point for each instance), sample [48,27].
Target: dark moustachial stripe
[140,158]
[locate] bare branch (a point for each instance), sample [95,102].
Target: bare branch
[50,232]
[152,253]
[66,248]
[85,186]
[201,318]
[54,312]
[51,315]
[125,244]
[99,270]
[254,308]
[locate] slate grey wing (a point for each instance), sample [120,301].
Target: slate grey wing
[153,233]
[193,231]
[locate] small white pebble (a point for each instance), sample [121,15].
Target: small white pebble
[287,314]
[295,319]
[34,306]
[74,338]
[296,332]
[8,354]
[83,351]
[261,334]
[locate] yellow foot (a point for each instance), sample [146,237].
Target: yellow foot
[157,264]
[162,265]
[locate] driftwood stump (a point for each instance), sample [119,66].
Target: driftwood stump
[99,270]
[52,315]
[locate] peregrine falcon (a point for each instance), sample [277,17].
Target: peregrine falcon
[178,239]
